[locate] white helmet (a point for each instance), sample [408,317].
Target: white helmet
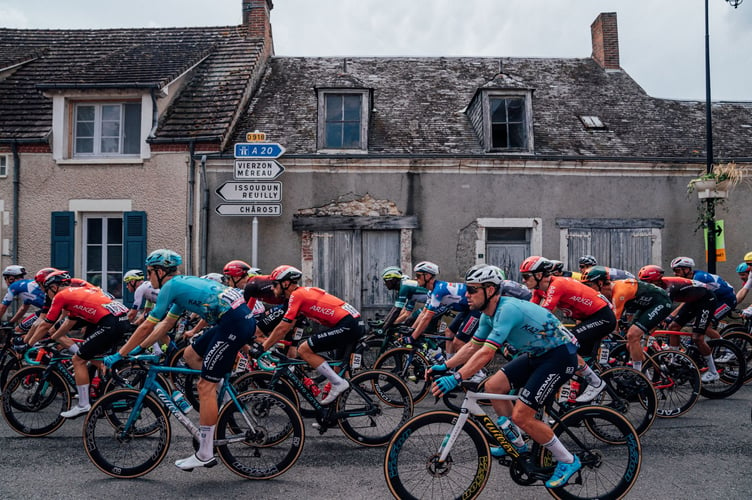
[483,273]
[14,270]
[219,278]
[426,267]
[682,262]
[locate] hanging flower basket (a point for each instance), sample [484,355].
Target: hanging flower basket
[718,182]
[709,188]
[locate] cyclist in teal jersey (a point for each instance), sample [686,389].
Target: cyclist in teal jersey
[409,293]
[214,352]
[547,358]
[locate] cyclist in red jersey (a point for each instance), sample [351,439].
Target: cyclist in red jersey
[592,311]
[109,320]
[345,326]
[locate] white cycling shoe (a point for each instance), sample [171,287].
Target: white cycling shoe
[190,463]
[337,389]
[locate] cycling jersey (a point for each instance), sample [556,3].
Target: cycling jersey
[447,294]
[207,298]
[723,291]
[87,303]
[618,274]
[632,294]
[684,289]
[574,299]
[316,304]
[511,288]
[259,287]
[144,294]
[27,290]
[410,293]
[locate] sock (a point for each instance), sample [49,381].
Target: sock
[560,453]
[206,440]
[83,395]
[73,349]
[711,363]
[327,371]
[589,375]
[637,365]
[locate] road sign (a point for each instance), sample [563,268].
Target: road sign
[250,191]
[268,150]
[252,209]
[257,170]
[255,137]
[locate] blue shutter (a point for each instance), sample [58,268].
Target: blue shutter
[62,252]
[134,246]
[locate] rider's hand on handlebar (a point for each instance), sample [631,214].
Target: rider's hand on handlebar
[436,371]
[19,345]
[445,384]
[257,349]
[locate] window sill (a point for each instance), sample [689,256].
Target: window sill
[137,160]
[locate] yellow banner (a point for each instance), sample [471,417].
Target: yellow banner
[720,242]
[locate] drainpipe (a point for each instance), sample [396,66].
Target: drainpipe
[204,217]
[191,204]
[16,195]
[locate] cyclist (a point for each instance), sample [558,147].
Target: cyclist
[344,325]
[28,291]
[214,352]
[548,358]
[109,320]
[591,310]
[697,303]
[743,270]
[408,294]
[648,305]
[144,295]
[682,267]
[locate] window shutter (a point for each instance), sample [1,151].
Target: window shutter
[134,246]
[62,238]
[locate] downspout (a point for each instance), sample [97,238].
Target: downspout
[204,217]
[191,204]
[16,203]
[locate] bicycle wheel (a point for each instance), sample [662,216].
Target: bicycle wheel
[412,468]
[371,352]
[263,454]
[608,470]
[731,365]
[134,376]
[374,407]
[262,380]
[126,452]
[744,342]
[9,365]
[33,400]
[676,381]
[630,393]
[408,365]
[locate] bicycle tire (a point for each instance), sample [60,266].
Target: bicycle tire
[135,376]
[411,467]
[413,374]
[608,470]
[33,401]
[733,328]
[138,451]
[371,352]
[676,381]
[258,379]
[743,341]
[631,394]
[393,401]
[732,370]
[9,364]
[263,455]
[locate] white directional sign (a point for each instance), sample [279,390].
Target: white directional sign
[257,170]
[253,209]
[250,191]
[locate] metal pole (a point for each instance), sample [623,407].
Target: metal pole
[254,242]
[710,212]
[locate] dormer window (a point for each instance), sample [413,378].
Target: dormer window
[106,129]
[343,120]
[508,119]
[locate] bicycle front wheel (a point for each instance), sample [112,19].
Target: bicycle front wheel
[732,367]
[743,341]
[630,393]
[410,366]
[608,470]
[412,468]
[270,445]
[676,381]
[122,450]
[374,407]
[33,400]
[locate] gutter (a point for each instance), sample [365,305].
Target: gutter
[191,202]
[204,218]
[16,203]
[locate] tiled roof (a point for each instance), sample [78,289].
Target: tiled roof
[124,58]
[420,108]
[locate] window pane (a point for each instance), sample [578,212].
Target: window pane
[110,145]
[352,108]
[94,278]
[132,128]
[114,284]
[498,110]
[93,258]
[517,135]
[114,258]
[94,231]
[333,135]
[85,113]
[110,129]
[333,108]
[114,231]
[84,145]
[499,136]
[516,110]
[111,112]
[84,129]
[351,135]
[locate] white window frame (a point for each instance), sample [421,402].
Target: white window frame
[4,162]
[98,136]
[526,96]
[85,242]
[535,225]
[364,114]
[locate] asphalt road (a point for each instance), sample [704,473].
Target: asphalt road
[704,454]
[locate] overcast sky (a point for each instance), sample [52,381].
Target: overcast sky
[661,42]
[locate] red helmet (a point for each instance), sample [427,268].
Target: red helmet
[286,273]
[650,273]
[42,274]
[536,264]
[57,278]
[236,269]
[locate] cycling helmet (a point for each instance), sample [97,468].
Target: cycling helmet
[650,273]
[164,258]
[748,257]
[588,260]
[426,267]
[742,268]
[57,278]
[254,271]
[483,273]
[237,269]
[682,262]
[499,271]
[214,277]
[557,266]
[133,275]
[286,273]
[536,264]
[15,271]
[42,275]
[595,273]
[391,272]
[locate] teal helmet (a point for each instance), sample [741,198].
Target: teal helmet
[164,258]
[743,267]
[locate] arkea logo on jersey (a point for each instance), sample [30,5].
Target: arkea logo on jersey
[84,309]
[326,311]
[582,300]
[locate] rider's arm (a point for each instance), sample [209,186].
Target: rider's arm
[158,331]
[480,358]
[143,331]
[66,327]
[20,313]
[279,332]
[422,322]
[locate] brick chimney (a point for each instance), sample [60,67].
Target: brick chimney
[256,21]
[605,37]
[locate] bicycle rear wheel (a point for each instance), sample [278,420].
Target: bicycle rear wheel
[126,452]
[743,341]
[374,407]
[408,365]
[608,470]
[676,381]
[630,393]
[274,442]
[9,365]
[731,365]
[33,401]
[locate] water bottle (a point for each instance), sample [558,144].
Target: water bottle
[574,390]
[180,401]
[94,387]
[311,386]
[511,432]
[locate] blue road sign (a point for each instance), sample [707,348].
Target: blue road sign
[268,150]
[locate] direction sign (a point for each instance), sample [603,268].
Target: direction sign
[268,150]
[250,191]
[253,209]
[257,170]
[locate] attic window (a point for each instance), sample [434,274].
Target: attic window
[592,122]
[343,120]
[505,120]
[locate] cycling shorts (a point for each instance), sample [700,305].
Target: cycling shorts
[465,324]
[339,338]
[538,378]
[28,321]
[650,317]
[592,329]
[104,337]
[699,312]
[219,345]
